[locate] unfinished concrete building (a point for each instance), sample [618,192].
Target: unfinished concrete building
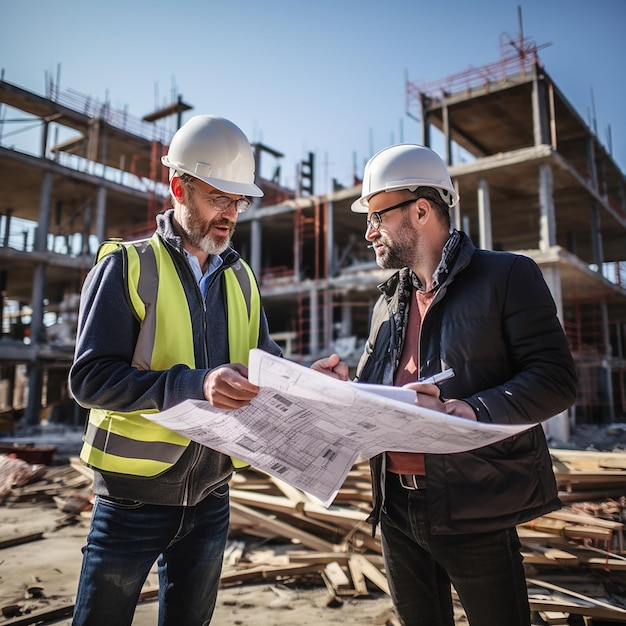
[533,178]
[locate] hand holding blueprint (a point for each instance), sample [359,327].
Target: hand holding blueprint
[308,429]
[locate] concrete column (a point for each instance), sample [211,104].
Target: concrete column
[540,113]
[606,363]
[591,163]
[313,323]
[37,330]
[484,216]
[7,227]
[255,246]
[37,336]
[596,237]
[346,320]
[86,228]
[104,150]
[296,243]
[552,276]
[331,261]
[465,223]
[547,222]
[447,134]
[455,221]
[558,426]
[44,139]
[101,214]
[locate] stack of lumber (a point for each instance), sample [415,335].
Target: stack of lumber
[589,475]
[23,482]
[574,558]
[334,544]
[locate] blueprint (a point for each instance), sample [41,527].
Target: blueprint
[308,429]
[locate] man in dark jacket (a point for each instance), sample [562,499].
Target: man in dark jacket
[489,316]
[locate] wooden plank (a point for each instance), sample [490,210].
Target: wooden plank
[554,617]
[560,557]
[291,493]
[372,573]
[579,596]
[601,613]
[361,540]
[282,528]
[268,572]
[536,558]
[529,536]
[590,459]
[584,518]
[344,517]
[7,542]
[82,469]
[301,556]
[578,531]
[263,501]
[607,561]
[358,578]
[338,578]
[41,616]
[338,515]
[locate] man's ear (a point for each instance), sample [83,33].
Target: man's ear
[423,208]
[177,187]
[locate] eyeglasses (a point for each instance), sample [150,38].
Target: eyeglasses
[376,218]
[223,203]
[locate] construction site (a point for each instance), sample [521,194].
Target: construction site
[534,179]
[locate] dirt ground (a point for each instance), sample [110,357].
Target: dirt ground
[50,566]
[43,574]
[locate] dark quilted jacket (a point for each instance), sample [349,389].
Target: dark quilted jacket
[494,321]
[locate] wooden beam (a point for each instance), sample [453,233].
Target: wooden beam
[282,528]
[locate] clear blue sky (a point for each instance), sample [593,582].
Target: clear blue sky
[323,76]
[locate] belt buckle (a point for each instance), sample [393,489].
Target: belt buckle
[412,483]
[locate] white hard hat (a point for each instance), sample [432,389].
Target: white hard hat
[216,151]
[405,166]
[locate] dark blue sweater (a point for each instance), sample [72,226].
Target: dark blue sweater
[102,376]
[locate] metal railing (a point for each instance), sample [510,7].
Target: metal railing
[93,108]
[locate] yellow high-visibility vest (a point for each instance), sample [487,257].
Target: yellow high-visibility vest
[128,443]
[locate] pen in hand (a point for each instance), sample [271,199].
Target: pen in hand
[435,379]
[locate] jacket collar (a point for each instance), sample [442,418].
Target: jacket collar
[455,256]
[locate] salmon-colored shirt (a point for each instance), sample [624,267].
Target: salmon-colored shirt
[410,462]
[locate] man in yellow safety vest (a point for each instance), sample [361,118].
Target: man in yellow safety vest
[163,320]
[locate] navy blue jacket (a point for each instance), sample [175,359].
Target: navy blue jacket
[102,376]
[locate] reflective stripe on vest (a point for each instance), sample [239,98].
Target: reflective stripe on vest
[128,443]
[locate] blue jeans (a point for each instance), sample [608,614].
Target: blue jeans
[485,568]
[125,540]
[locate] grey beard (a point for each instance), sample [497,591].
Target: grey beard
[206,244]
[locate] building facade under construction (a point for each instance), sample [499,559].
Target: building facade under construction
[532,175]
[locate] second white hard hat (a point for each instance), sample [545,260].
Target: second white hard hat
[216,151]
[405,166]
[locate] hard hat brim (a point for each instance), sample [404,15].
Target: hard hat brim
[239,189]
[360,205]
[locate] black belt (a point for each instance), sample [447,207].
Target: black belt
[412,482]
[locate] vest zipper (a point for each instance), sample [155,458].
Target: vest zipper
[189,475]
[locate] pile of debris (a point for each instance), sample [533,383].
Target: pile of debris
[575,558]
